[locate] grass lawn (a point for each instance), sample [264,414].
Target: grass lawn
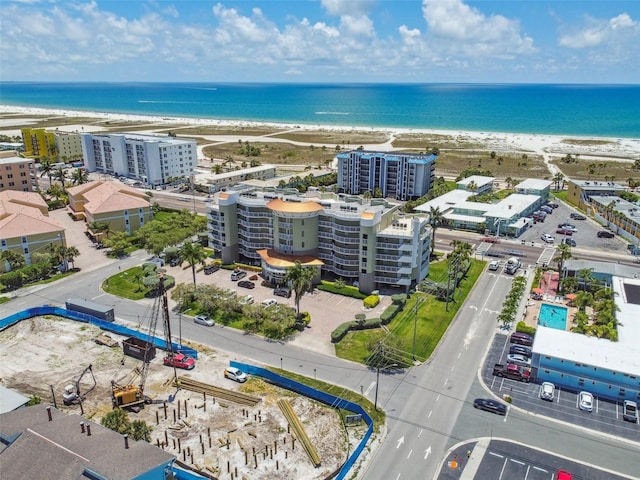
[432,320]
[126,284]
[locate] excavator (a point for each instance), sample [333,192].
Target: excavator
[131,396]
[72,394]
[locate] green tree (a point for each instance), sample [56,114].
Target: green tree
[70,254]
[118,243]
[300,279]
[99,229]
[46,167]
[193,253]
[140,430]
[79,176]
[436,219]
[564,254]
[117,420]
[60,175]
[16,261]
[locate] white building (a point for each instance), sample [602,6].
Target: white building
[152,159]
[216,182]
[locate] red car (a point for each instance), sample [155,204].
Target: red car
[180,360]
[563,475]
[564,231]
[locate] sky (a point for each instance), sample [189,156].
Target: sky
[321,41]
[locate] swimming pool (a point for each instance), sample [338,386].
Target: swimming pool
[553,316]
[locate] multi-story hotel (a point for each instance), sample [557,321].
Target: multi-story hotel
[17,173]
[343,236]
[151,159]
[403,176]
[39,143]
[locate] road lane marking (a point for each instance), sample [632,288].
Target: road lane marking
[410,452]
[516,461]
[427,452]
[453,367]
[541,469]
[400,441]
[420,434]
[429,416]
[366,392]
[445,381]
[101,295]
[437,398]
[459,354]
[496,455]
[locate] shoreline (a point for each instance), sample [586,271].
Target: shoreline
[620,147]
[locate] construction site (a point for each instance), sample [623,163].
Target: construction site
[214,425]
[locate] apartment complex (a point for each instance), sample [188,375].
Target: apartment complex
[17,173]
[343,236]
[39,143]
[124,208]
[403,176]
[216,182]
[151,159]
[68,146]
[25,226]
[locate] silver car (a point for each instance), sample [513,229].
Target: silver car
[518,359]
[203,320]
[547,391]
[585,401]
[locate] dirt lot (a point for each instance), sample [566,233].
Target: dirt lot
[41,354]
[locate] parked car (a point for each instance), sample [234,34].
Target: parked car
[570,241]
[546,209]
[246,300]
[563,475]
[517,359]
[547,391]
[494,265]
[209,269]
[547,238]
[203,320]
[235,374]
[552,204]
[238,274]
[585,401]
[282,292]
[269,302]
[520,350]
[578,216]
[521,339]
[179,360]
[246,284]
[605,234]
[174,262]
[490,405]
[568,226]
[564,231]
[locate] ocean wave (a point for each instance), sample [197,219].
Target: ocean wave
[332,113]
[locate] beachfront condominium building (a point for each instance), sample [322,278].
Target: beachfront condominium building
[151,159]
[68,145]
[403,176]
[365,241]
[39,143]
[17,173]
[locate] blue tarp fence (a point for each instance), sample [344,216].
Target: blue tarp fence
[323,397]
[83,317]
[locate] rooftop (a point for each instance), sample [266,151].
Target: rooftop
[533,184]
[598,185]
[479,180]
[11,160]
[102,197]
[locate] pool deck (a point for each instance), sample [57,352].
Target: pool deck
[532,309]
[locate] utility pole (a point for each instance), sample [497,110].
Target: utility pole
[415,327]
[378,360]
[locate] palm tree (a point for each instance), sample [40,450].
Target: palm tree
[79,176]
[300,278]
[70,254]
[59,175]
[586,277]
[564,254]
[98,228]
[15,260]
[436,218]
[192,253]
[558,178]
[45,167]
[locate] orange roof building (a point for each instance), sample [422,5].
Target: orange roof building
[25,225]
[342,236]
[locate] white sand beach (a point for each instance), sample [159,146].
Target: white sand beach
[549,146]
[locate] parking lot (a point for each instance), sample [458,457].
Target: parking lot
[606,416]
[327,310]
[585,237]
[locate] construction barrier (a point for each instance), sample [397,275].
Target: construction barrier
[85,318]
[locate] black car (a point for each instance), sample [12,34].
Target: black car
[605,234]
[578,216]
[552,205]
[490,405]
[570,241]
[174,262]
[209,269]
[246,284]
[520,350]
[282,292]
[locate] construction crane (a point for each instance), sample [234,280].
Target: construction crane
[72,394]
[132,396]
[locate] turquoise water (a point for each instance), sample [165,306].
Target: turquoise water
[553,316]
[589,110]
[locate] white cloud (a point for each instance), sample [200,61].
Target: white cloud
[347,7]
[598,32]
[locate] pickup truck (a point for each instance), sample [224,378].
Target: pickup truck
[630,411]
[512,371]
[179,360]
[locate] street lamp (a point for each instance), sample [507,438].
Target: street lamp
[375,402]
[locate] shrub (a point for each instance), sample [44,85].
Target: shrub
[351,292]
[340,331]
[371,301]
[371,323]
[390,312]
[169,282]
[399,299]
[524,328]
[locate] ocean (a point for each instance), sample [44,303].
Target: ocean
[586,110]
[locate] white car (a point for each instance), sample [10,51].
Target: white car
[547,238]
[585,401]
[518,359]
[235,374]
[269,302]
[203,320]
[246,300]
[547,391]
[494,265]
